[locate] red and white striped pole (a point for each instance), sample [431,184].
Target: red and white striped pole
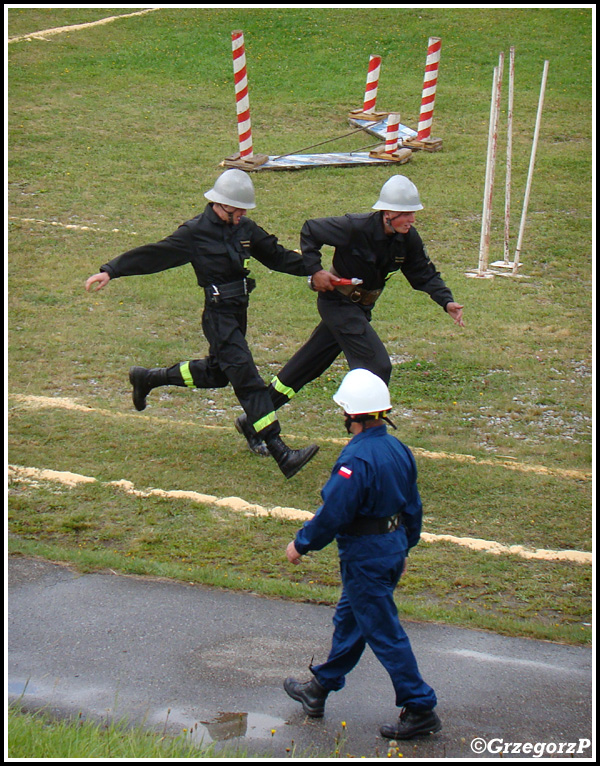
[242,101]
[391,134]
[429,86]
[372,84]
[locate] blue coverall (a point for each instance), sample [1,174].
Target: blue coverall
[374,476]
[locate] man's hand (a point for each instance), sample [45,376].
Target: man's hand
[456,312]
[292,554]
[102,279]
[324,281]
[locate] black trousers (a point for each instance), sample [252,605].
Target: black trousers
[230,361]
[345,327]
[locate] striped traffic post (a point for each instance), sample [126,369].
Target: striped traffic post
[242,100]
[429,88]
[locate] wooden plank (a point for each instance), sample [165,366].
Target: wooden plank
[427,144]
[379,129]
[245,163]
[358,114]
[401,156]
[334,159]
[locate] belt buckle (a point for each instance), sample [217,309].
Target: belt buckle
[393,523]
[215,294]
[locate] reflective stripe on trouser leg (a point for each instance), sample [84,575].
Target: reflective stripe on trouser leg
[265,421]
[281,389]
[184,369]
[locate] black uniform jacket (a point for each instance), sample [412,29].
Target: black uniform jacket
[218,252]
[364,250]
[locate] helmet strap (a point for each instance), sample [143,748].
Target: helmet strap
[227,213]
[364,418]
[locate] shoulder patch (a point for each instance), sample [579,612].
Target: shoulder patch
[346,473]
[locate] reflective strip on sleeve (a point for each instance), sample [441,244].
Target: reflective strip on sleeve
[280,388]
[184,369]
[264,422]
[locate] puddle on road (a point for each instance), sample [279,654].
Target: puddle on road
[232,725]
[19,688]
[224,726]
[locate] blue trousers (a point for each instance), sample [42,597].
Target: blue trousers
[367,614]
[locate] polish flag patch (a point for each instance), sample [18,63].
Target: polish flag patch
[345,472]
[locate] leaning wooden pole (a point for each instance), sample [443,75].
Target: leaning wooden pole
[531,166]
[509,137]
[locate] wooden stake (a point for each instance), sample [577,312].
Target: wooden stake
[486,217]
[531,165]
[509,132]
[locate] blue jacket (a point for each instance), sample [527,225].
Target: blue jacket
[374,476]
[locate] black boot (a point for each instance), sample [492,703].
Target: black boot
[255,443]
[311,694]
[143,381]
[412,723]
[290,461]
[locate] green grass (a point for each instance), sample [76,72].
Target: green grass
[121,128]
[38,735]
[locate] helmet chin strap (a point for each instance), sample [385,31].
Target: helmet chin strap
[227,213]
[362,419]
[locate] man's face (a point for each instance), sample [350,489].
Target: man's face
[399,222]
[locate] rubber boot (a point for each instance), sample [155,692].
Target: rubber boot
[311,694]
[255,443]
[412,723]
[290,461]
[143,381]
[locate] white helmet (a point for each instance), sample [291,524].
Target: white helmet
[362,392]
[234,188]
[399,194]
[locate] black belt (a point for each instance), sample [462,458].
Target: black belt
[365,526]
[218,293]
[359,295]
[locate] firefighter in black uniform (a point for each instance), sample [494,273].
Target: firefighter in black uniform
[370,247]
[219,244]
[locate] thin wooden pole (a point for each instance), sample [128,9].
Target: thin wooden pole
[486,218]
[531,166]
[508,182]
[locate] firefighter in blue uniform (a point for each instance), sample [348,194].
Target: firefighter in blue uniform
[219,244]
[372,508]
[371,247]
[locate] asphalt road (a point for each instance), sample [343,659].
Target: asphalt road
[177,656]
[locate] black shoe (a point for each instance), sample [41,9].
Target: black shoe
[255,443]
[138,377]
[311,694]
[143,381]
[290,461]
[412,723]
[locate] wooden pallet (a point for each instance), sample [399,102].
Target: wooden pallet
[245,163]
[427,144]
[358,114]
[402,155]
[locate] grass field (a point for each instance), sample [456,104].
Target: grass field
[116,131]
